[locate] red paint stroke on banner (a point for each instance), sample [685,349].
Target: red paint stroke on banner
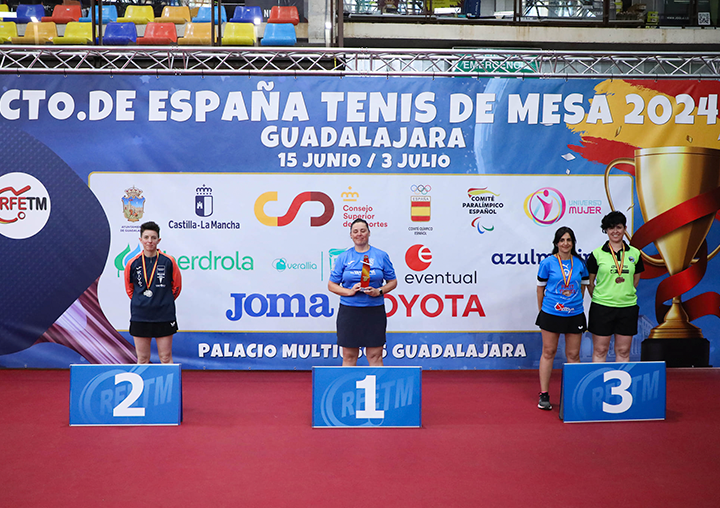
[701,305]
[673,88]
[605,151]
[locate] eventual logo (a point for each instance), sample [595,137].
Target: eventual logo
[284,220]
[420,203]
[24,206]
[545,206]
[203,202]
[133,204]
[350,195]
[418,257]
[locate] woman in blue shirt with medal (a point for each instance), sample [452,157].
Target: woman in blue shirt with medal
[561,282]
[358,276]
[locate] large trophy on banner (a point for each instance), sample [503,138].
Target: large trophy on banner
[679,193]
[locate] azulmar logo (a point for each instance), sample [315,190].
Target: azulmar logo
[292,212]
[545,206]
[418,257]
[24,206]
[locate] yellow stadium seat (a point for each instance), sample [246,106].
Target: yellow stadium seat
[8,30]
[239,34]
[177,15]
[138,14]
[196,34]
[75,33]
[4,8]
[42,32]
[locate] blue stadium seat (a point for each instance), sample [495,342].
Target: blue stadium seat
[26,13]
[203,15]
[279,34]
[109,15]
[120,34]
[247,15]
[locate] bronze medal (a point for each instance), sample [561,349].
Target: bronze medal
[619,280]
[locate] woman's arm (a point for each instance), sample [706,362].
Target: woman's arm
[540,296]
[333,287]
[591,286]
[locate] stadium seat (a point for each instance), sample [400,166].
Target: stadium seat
[159,34]
[177,15]
[196,34]
[120,34]
[239,34]
[37,33]
[284,14]
[75,33]
[109,15]
[26,13]
[203,15]
[8,30]
[4,8]
[138,14]
[247,15]
[279,34]
[64,14]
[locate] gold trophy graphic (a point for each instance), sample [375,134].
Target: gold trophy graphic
[665,178]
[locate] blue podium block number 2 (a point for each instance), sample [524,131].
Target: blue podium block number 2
[621,390]
[369,385]
[137,387]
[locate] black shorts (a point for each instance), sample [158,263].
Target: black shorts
[146,329]
[607,321]
[561,324]
[361,326]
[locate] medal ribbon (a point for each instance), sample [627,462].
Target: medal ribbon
[566,281]
[152,275]
[620,265]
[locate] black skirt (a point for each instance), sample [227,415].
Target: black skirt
[361,326]
[146,329]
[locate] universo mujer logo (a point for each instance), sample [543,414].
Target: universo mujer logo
[545,206]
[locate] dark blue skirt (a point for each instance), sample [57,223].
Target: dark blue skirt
[361,326]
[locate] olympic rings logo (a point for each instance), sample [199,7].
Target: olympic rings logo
[420,189]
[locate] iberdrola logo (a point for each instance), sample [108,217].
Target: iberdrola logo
[122,259]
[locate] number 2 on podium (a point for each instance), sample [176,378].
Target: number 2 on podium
[137,385]
[369,385]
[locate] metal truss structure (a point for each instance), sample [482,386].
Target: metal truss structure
[304,61]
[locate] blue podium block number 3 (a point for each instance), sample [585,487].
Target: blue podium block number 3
[369,385]
[137,387]
[620,390]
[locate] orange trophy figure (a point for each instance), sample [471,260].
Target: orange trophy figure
[365,276]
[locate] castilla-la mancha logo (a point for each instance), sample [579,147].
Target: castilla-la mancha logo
[24,206]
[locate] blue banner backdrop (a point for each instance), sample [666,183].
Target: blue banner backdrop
[255,180]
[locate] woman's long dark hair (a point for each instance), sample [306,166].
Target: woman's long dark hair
[559,234]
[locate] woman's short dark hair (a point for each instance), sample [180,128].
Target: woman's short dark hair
[613,219]
[151,226]
[360,220]
[559,234]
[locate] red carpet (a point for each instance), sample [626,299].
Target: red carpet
[247,441]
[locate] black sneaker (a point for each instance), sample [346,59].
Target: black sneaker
[544,401]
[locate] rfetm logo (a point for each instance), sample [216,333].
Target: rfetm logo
[545,206]
[292,212]
[418,257]
[24,205]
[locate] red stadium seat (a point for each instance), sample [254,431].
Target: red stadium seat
[64,14]
[284,14]
[158,34]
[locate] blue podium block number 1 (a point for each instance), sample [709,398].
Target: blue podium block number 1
[137,386]
[369,385]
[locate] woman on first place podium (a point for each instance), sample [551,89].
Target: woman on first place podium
[358,276]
